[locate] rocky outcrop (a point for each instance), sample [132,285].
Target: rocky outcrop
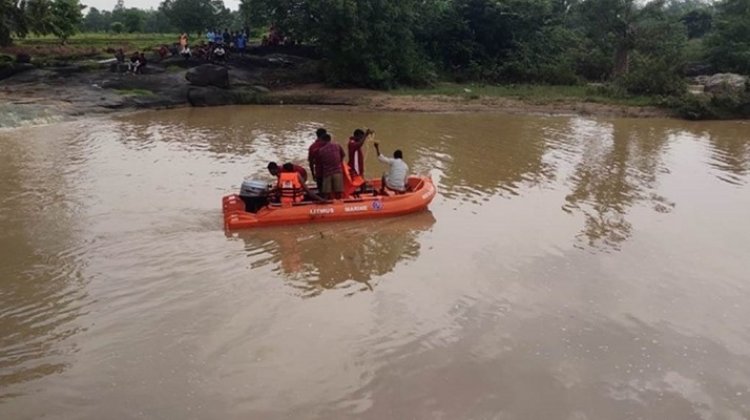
[10,69]
[209,96]
[694,69]
[725,84]
[208,75]
[213,96]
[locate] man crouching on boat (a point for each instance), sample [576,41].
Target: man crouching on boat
[275,170]
[291,188]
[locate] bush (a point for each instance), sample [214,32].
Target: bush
[704,107]
[652,76]
[117,27]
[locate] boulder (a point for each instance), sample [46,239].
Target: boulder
[726,83]
[701,80]
[8,70]
[694,69]
[208,75]
[210,96]
[23,58]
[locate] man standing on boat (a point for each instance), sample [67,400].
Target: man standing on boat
[328,159]
[312,152]
[357,152]
[398,172]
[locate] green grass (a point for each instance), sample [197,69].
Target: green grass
[86,45]
[534,93]
[134,92]
[103,40]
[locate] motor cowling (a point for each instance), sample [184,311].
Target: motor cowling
[254,194]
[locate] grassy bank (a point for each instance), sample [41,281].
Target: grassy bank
[86,45]
[537,94]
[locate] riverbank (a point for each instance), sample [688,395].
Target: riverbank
[66,90]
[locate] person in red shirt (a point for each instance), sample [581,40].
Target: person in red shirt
[328,160]
[276,171]
[357,152]
[311,152]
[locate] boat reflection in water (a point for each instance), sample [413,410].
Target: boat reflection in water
[314,258]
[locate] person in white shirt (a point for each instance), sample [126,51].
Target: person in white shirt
[395,178]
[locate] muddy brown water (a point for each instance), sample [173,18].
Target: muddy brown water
[569,268]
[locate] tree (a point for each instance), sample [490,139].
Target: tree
[255,13]
[117,27]
[729,42]
[133,19]
[66,18]
[40,16]
[367,42]
[94,21]
[697,22]
[192,15]
[658,56]
[12,20]
[157,22]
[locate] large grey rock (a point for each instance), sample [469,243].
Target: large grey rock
[210,96]
[10,69]
[208,75]
[694,69]
[726,83]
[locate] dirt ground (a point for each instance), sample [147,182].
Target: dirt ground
[384,101]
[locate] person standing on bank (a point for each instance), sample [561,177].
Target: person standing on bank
[398,171]
[328,159]
[311,152]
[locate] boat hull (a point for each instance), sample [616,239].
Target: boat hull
[365,207]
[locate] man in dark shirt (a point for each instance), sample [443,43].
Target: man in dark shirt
[328,159]
[311,152]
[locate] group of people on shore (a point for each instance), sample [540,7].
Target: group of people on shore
[326,160]
[219,44]
[137,61]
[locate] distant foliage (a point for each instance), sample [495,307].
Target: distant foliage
[729,42]
[195,15]
[117,27]
[635,46]
[67,17]
[371,43]
[12,20]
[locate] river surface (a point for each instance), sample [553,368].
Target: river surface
[569,268]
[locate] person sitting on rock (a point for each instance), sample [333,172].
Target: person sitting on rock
[163,51]
[134,63]
[185,53]
[141,64]
[219,53]
[120,56]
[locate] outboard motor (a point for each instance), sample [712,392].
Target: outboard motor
[255,194]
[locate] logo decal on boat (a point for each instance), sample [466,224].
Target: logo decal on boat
[351,209]
[377,205]
[328,210]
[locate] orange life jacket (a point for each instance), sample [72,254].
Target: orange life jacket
[352,181]
[290,188]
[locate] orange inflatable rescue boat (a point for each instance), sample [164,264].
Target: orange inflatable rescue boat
[253,207]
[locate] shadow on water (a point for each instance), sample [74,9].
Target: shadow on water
[485,155]
[619,167]
[729,150]
[347,255]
